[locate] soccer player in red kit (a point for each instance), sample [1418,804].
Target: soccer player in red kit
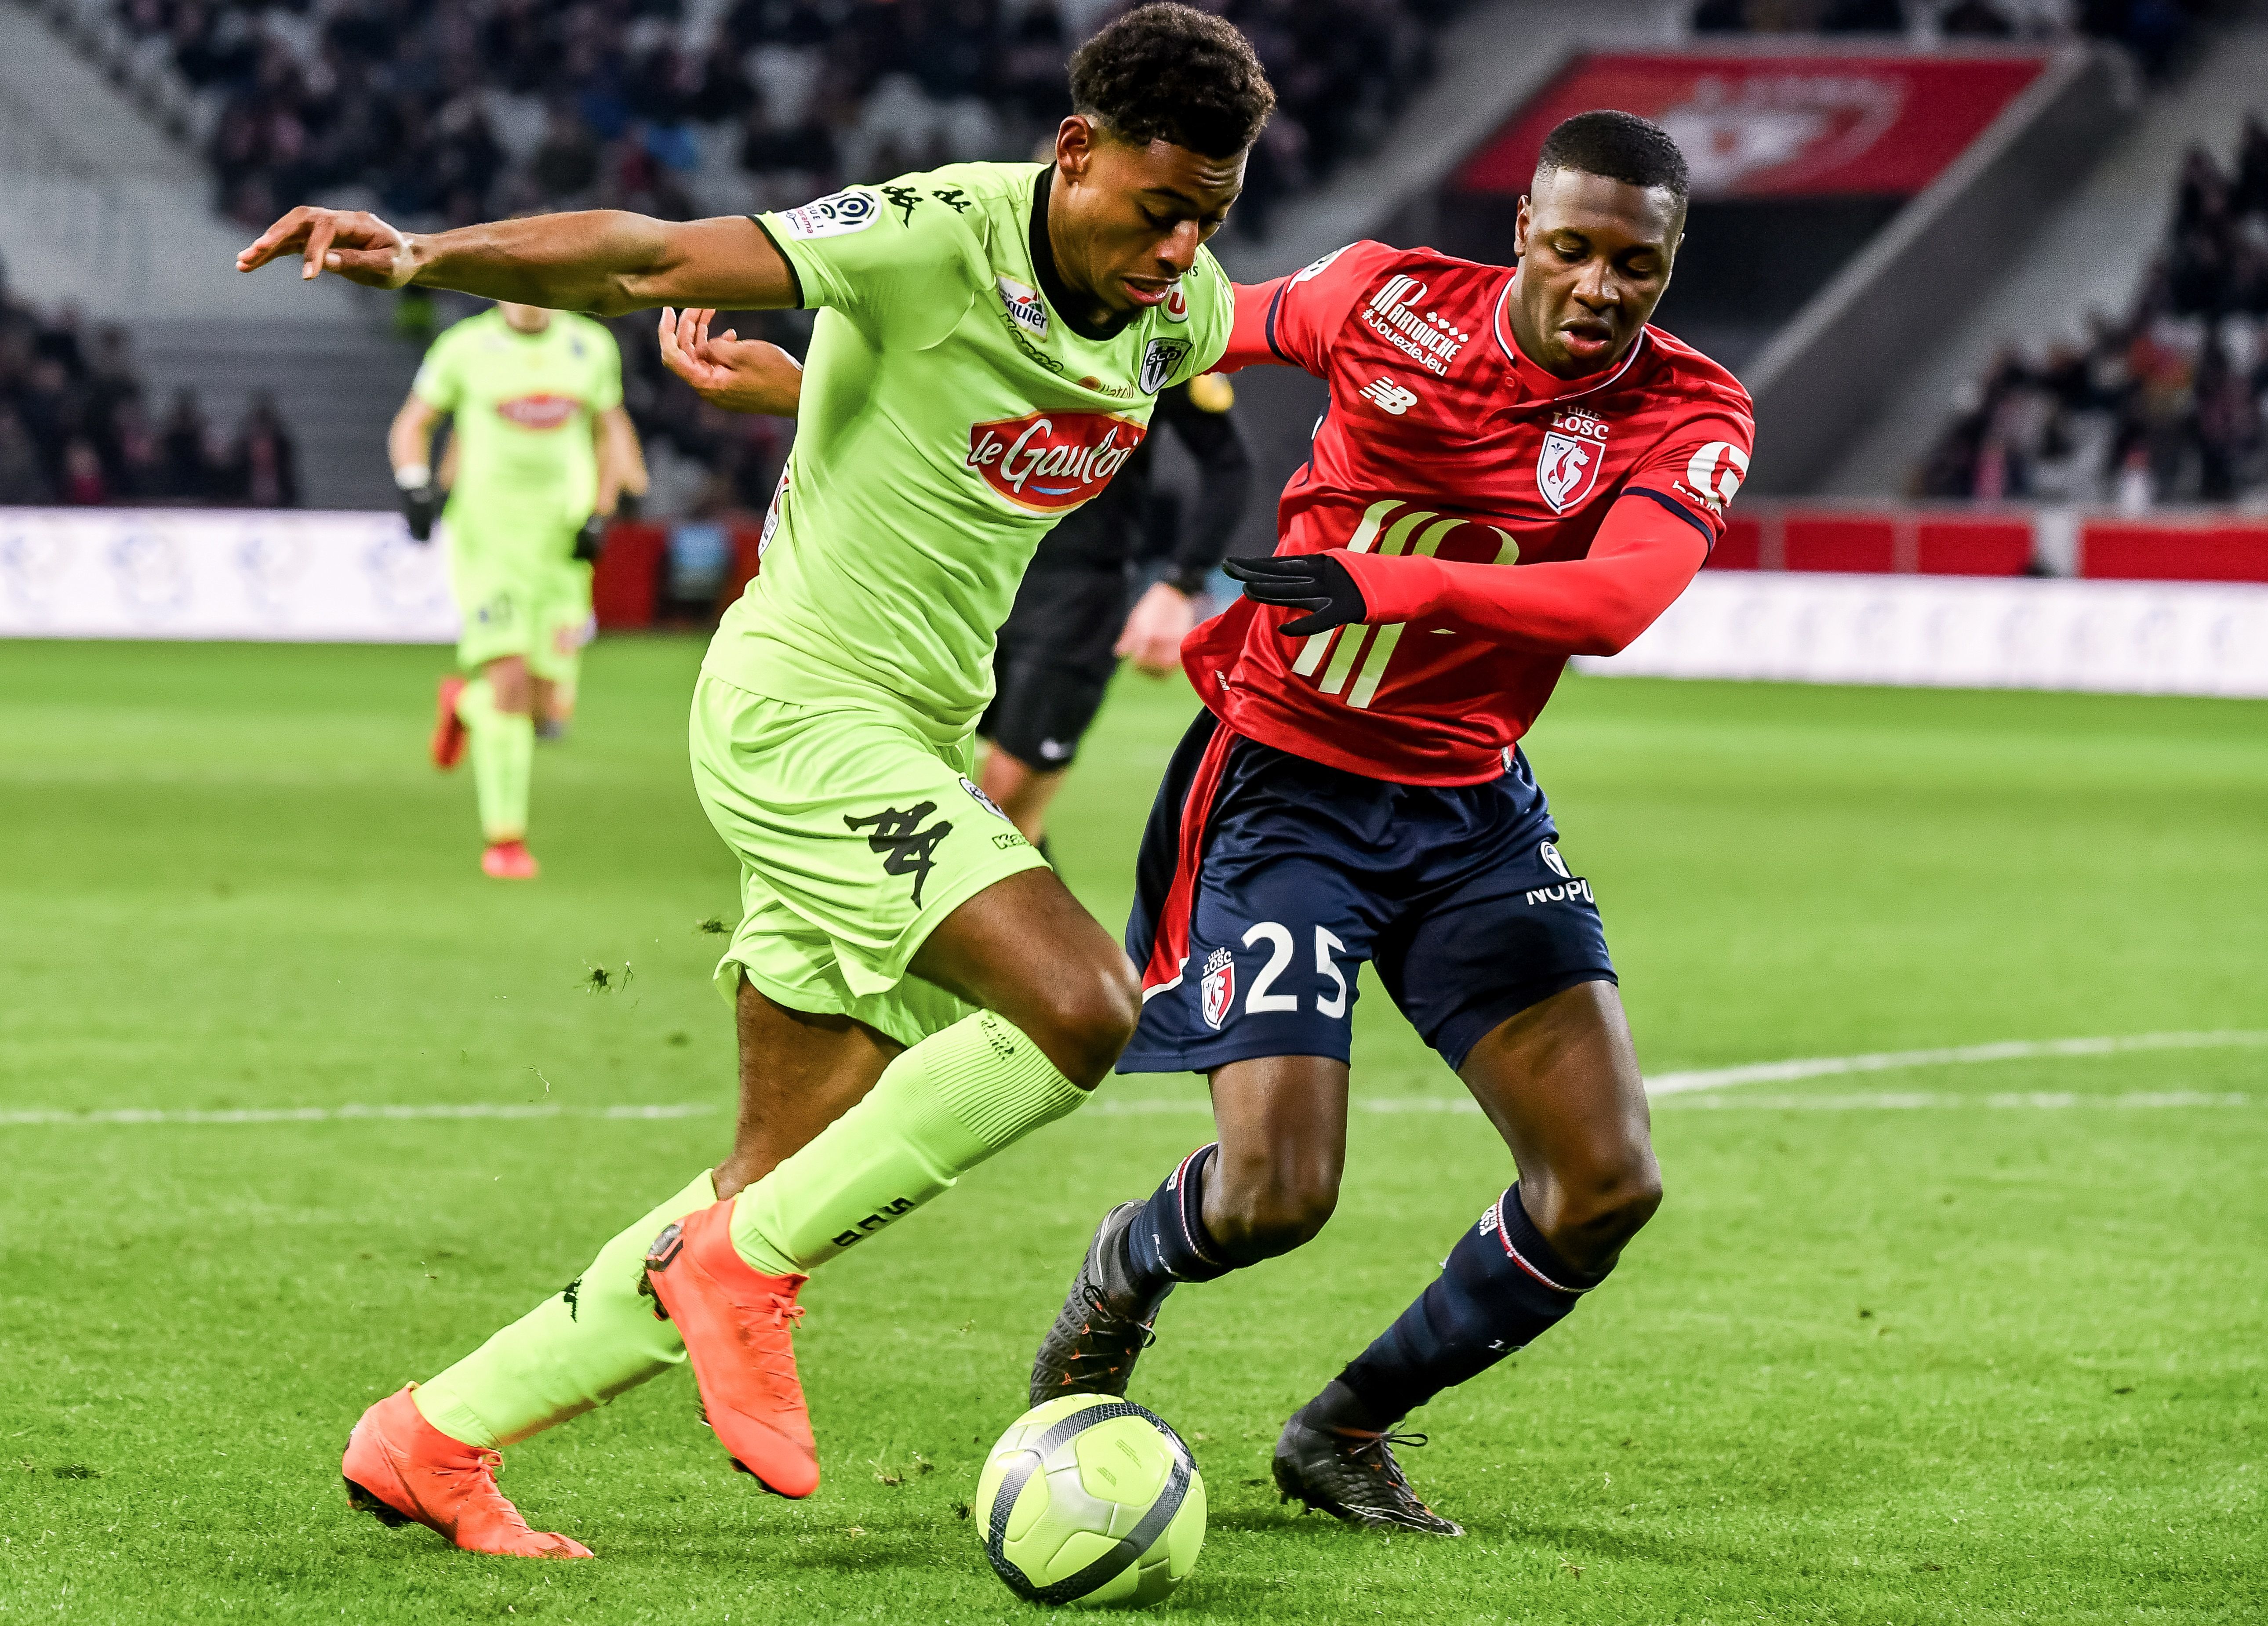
[1513,468]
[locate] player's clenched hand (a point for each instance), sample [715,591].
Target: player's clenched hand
[348,242]
[1160,620]
[1313,582]
[725,370]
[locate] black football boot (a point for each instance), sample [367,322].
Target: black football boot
[1104,1324]
[1350,1473]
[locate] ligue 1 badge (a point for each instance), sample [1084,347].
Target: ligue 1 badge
[1218,990]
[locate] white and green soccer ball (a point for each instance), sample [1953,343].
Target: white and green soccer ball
[1091,1499]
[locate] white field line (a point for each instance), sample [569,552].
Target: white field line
[1663,1085]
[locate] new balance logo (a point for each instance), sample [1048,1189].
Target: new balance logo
[1387,396]
[1431,339]
[906,847]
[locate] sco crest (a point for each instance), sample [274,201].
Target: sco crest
[1567,466]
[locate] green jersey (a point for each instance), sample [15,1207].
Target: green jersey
[523,405]
[951,413]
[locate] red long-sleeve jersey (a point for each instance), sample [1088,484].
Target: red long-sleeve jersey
[1445,456]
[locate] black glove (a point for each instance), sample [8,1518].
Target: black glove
[421,505]
[626,505]
[590,541]
[1314,582]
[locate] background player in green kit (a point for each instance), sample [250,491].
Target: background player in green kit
[914,989]
[543,451]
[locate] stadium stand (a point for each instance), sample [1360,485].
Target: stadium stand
[443,113]
[2162,403]
[2154,31]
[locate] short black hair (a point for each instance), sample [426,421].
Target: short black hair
[1171,73]
[1620,146]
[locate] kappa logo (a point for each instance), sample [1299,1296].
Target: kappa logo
[1161,360]
[905,847]
[1431,340]
[839,214]
[1715,472]
[1216,991]
[1568,465]
[1389,397]
[1550,853]
[1050,462]
[539,411]
[1026,308]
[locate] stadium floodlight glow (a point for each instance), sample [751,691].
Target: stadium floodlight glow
[1091,1499]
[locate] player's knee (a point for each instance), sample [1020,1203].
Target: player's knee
[1598,1208]
[1261,1211]
[1089,1018]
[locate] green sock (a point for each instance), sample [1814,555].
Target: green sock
[938,1111]
[579,1349]
[503,760]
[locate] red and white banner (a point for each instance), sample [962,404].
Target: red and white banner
[1768,124]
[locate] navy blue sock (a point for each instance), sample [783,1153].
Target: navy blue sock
[1168,1242]
[1501,1287]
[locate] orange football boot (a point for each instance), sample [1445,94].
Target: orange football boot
[509,861]
[399,1466]
[737,1324]
[448,747]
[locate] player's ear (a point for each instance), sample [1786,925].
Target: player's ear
[1075,142]
[1519,229]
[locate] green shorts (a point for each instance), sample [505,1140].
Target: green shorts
[855,836]
[515,600]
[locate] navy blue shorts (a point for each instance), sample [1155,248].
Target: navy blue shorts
[1266,879]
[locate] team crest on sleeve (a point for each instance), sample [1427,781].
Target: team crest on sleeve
[1161,361]
[1715,472]
[1218,989]
[839,214]
[1568,466]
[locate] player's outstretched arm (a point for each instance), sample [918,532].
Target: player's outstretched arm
[740,375]
[602,261]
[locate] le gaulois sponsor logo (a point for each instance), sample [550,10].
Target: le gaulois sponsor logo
[1049,461]
[539,411]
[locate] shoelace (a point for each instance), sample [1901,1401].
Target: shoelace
[1383,1445]
[1132,1338]
[777,1362]
[488,1463]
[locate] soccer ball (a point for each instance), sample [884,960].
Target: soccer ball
[1091,1499]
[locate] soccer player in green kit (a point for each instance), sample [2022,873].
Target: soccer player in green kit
[915,989]
[543,451]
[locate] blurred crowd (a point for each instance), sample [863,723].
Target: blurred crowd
[77,426]
[442,112]
[2153,30]
[2165,404]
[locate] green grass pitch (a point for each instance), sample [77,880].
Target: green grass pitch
[1994,1357]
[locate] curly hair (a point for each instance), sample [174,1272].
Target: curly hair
[1620,146]
[1171,73]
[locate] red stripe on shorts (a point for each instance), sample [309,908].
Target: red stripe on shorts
[1169,944]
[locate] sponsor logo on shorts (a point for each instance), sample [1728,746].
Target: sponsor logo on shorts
[976,791]
[1216,991]
[1026,308]
[1160,358]
[1552,861]
[905,849]
[839,214]
[1576,891]
[540,411]
[1049,462]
